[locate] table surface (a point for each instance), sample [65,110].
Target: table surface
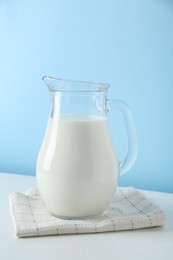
[151,243]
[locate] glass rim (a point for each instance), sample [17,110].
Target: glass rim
[66,85]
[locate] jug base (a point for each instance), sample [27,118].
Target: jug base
[76,218]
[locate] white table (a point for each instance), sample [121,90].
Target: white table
[153,243]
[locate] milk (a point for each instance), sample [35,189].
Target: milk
[77,166]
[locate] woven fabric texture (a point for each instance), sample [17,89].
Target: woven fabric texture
[129,210]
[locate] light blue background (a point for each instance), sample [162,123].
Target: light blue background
[128,44]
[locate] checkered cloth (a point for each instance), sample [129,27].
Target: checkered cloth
[129,210]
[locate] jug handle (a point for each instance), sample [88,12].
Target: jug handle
[131,155]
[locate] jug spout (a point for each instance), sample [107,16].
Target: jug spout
[46,80]
[51,83]
[65,85]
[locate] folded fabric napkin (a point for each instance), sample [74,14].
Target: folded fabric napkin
[130,209]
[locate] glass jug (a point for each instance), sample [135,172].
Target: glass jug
[77,166]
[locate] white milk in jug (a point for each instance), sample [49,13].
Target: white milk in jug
[77,166]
